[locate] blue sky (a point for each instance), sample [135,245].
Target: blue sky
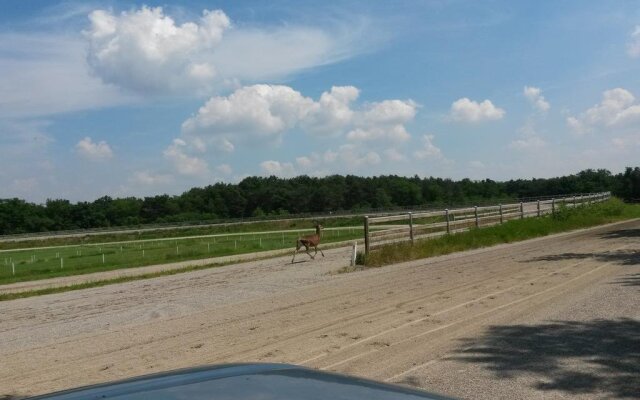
[134,99]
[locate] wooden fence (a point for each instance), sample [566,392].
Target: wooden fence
[412,225]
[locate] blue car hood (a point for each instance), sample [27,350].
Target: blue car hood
[245,382]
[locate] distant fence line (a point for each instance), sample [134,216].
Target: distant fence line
[225,222]
[411,225]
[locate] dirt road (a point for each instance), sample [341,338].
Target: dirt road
[549,317]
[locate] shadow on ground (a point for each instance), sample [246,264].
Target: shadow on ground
[596,357]
[629,280]
[298,262]
[621,257]
[622,233]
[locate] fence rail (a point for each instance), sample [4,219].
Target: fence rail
[226,222]
[410,225]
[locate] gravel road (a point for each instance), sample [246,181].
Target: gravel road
[546,318]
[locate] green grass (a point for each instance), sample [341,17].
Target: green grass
[566,219]
[88,258]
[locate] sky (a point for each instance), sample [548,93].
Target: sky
[125,98]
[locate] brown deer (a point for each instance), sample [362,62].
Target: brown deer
[309,241]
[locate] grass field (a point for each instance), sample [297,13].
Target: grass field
[23,265]
[565,219]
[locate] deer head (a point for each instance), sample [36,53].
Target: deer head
[318,228]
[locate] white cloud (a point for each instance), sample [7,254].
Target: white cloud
[627,143]
[304,162]
[535,97]
[466,110]
[149,179]
[262,114]
[258,55]
[224,169]
[617,109]
[528,143]
[529,137]
[45,74]
[394,133]
[347,158]
[333,112]
[145,50]
[575,125]
[633,45]
[94,151]
[185,164]
[394,155]
[355,157]
[277,168]
[390,112]
[428,150]
[384,121]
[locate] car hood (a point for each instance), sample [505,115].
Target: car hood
[243,381]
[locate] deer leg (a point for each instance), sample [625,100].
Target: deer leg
[295,252]
[307,247]
[317,248]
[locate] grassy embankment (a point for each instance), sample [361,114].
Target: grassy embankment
[565,219]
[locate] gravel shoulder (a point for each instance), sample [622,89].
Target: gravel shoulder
[460,324]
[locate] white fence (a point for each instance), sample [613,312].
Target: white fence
[409,226]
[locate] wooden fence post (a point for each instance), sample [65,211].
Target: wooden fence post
[366,236]
[553,206]
[501,216]
[475,210]
[574,201]
[411,227]
[538,208]
[521,210]
[446,214]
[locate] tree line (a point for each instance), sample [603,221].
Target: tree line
[269,196]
